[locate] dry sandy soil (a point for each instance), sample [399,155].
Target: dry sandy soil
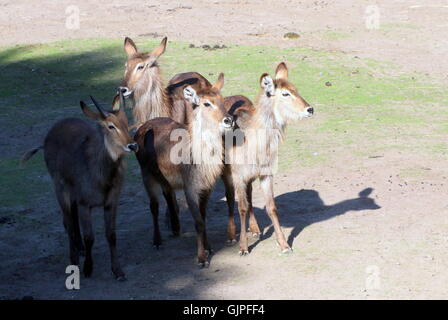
[412,33]
[360,230]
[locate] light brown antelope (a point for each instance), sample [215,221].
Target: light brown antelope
[87,166]
[263,127]
[201,163]
[143,82]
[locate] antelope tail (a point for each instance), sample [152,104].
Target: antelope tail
[29,154]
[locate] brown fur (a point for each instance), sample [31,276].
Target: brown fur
[195,177]
[151,99]
[181,109]
[87,167]
[241,108]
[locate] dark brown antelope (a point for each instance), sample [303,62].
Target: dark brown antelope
[199,167]
[143,81]
[86,165]
[255,156]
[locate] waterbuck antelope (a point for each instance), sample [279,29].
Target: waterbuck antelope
[198,168]
[86,165]
[143,82]
[254,157]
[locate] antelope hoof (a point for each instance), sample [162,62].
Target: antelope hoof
[119,274]
[244,253]
[287,251]
[231,242]
[87,270]
[121,278]
[87,274]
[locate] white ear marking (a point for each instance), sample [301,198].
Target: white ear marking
[191,95]
[268,84]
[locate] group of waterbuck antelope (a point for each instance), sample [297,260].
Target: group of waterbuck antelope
[86,163]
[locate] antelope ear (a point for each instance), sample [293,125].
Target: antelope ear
[116,102]
[130,47]
[282,71]
[219,83]
[120,113]
[267,84]
[157,52]
[191,95]
[89,113]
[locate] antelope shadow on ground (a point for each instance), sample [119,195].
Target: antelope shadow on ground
[301,208]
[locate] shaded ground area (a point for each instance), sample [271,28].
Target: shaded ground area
[341,223]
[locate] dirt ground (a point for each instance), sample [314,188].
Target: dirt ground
[410,34]
[360,230]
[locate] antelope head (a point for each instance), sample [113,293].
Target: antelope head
[208,106]
[141,68]
[114,125]
[286,100]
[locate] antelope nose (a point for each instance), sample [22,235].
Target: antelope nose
[228,121]
[124,90]
[133,147]
[310,110]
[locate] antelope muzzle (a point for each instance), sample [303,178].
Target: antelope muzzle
[228,123]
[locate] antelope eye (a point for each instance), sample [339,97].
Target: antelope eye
[286,94]
[140,67]
[111,127]
[206,104]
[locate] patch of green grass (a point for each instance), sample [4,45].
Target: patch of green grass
[335,35]
[21,184]
[413,172]
[398,28]
[399,25]
[439,148]
[365,105]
